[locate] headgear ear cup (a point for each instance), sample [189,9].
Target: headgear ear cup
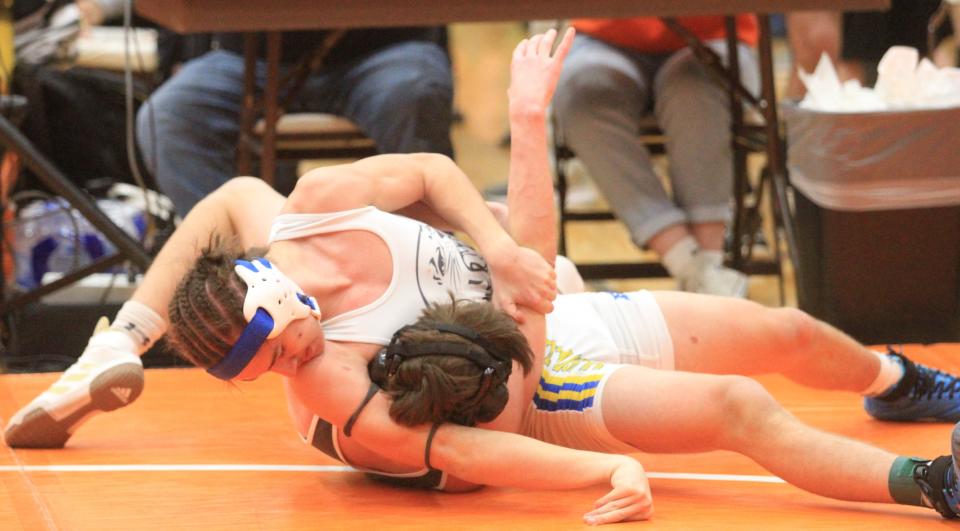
[495,370]
[377,369]
[486,383]
[487,386]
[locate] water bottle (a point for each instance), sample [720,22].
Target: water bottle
[52,237]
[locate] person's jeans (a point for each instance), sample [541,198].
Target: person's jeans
[401,97]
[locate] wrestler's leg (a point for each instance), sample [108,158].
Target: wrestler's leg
[725,336]
[658,411]
[721,335]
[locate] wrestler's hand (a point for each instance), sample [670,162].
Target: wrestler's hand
[630,498]
[521,277]
[534,70]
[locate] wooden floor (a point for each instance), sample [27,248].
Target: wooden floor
[194,453]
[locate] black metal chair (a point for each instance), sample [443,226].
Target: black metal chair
[295,136]
[302,136]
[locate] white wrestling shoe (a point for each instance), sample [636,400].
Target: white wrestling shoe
[107,376]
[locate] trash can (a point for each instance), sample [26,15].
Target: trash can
[877,217]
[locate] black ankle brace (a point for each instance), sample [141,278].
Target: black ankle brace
[906,383]
[932,478]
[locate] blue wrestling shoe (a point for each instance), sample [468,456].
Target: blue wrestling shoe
[922,394]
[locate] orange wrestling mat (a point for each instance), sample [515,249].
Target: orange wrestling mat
[194,453]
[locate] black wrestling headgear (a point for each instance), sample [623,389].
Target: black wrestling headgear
[496,369]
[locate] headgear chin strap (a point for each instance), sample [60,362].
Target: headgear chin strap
[272,302]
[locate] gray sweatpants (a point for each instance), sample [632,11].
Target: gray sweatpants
[603,93]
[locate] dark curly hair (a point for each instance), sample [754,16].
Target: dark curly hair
[206,312]
[444,387]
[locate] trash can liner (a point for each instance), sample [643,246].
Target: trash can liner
[870,161]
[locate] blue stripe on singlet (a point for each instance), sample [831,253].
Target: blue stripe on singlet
[553,397]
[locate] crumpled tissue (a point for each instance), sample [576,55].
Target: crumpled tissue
[904,81]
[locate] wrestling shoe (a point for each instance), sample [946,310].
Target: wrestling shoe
[922,394]
[938,480]
[107,376]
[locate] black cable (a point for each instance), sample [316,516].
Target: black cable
[128,101]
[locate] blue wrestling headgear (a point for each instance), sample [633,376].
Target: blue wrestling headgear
[272,302]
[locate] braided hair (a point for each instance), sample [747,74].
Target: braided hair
[442,387]
[206,312]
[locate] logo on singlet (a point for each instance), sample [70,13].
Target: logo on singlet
[453,266]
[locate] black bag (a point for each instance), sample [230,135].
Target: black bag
[77,119]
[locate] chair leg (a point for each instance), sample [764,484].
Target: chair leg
[268,155]
[739,158]
[778,231]
[775,144]
[249,105]
[562,202]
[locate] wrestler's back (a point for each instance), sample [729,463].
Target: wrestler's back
[386,269]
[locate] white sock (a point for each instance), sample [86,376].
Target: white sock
[891,371]
[677,260]
[712,258]
[140,323]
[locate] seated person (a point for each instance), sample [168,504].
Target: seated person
[395,84]
[620,70]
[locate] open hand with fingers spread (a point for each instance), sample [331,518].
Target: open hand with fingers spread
[629,500]
[521,275]
[535,69]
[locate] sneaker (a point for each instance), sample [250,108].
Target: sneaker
[922,394]
[711,279]
[107,376]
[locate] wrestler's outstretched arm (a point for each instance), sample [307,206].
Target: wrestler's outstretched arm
[243,208]
[533,223]
[532,219]
[330,384]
